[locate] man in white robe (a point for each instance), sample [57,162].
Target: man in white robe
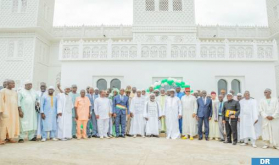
[173,112]
[152,115]
[189,111]
[136,110]
[64,112]
[269,110]
[27,100]
[103,111]
[248,117]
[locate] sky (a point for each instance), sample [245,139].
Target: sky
[116,12]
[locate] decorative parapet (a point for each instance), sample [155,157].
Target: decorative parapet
[216,50]
[233,32]
[102,31]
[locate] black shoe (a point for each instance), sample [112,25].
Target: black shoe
[123,136]
[89,136]
[221,140]
[74,136]
[128,135]
[200,138]
[227,142]
[20,141]
[234,143]
[34,139]
[206,139]
[120,136]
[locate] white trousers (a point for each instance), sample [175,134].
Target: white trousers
[103,126]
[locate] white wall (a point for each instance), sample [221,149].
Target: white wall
[255,76]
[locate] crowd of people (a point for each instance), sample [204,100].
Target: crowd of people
[66,114]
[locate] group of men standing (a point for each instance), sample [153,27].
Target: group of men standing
[132,112]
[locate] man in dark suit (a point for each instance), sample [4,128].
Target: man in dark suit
[204,114]
[120,109]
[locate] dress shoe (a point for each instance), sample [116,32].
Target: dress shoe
[200,138]
[206,139]
[20,141]
[234,143]
[89,136]
[74,136]
[34,139]
[221,140]
[227,142]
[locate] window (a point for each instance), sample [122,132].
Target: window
[46,11]
[115,83]
[115,52]
[15,49]
[163,5]
[86,52]
[102,84]
[95,52]
[19,6]
[222,85]
[177,5]
[75,52]
[236,86]
[154,52]
[175,52]
[11,49]
[162,52]
[149,5]
[145,52]
[133,52]
[67,52]
[124,52]
[103,52]
[276,12]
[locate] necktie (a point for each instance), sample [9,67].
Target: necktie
[220,108]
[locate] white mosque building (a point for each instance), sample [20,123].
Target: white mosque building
[164,41]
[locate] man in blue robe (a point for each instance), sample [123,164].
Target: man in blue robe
[49,115]
[74,94]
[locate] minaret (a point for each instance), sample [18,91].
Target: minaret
[161,20]
[25,30]
[273,23]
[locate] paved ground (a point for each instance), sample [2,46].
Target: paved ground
[130,151]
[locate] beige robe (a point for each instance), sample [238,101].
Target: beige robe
[9,117]
[270,128]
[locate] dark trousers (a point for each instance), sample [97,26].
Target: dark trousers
[180,125]
[204,120]
[231,129]
[120,119]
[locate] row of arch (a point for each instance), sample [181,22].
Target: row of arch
[235,85]
[103,85]
[124,52]
[163,5]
